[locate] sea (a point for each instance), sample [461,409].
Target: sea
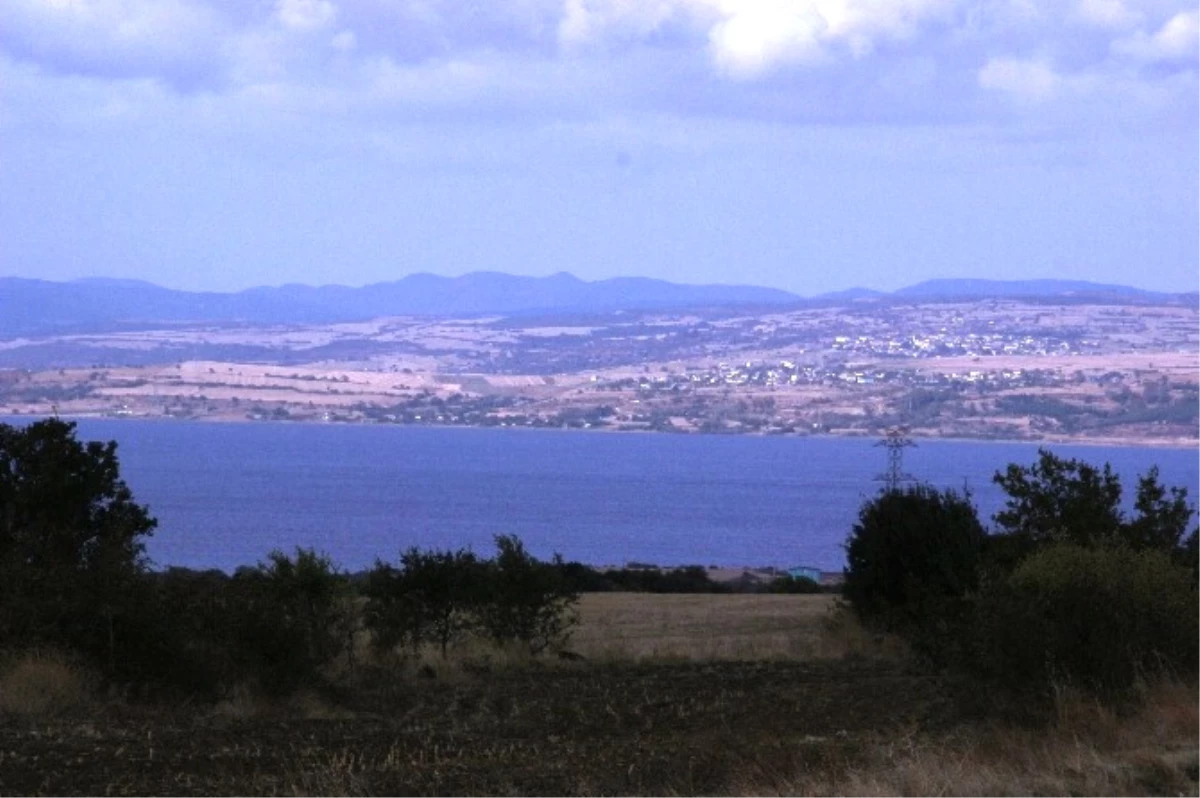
[226,494]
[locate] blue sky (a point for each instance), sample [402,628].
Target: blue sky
[811,145]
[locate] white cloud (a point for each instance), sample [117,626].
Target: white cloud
[305,15]
[747,38]
[1176,40]
[1113,14]
[1027,80]
[753,40]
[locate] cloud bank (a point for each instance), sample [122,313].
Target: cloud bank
[735,57]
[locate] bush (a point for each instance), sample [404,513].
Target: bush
[1102,618]
[912,552]
[290,618]
[195,617]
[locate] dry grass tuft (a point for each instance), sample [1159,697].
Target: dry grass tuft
[41,683]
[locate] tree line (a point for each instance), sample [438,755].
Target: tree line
[74,574]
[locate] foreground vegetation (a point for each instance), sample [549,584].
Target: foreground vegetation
[1054,656]
[842,712]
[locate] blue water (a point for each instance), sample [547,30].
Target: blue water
[226,494]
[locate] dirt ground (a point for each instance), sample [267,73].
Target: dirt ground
[639,729]
[674,694]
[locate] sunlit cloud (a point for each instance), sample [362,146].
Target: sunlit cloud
[1177,40]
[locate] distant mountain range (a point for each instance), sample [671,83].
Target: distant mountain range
[29,307]
[1025,288]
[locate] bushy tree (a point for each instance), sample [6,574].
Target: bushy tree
[431,598]
[1058,500]
[912,550]
[291,617]
[72,541]
[1163,515]
[1062,501]
[528,601]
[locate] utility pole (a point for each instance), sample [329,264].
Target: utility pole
[896,440]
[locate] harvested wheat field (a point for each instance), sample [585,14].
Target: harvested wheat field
[675,695]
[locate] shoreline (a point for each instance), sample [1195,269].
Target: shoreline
[1121,442]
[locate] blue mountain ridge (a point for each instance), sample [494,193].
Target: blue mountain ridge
[30,306]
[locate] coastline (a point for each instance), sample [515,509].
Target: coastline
[1122,442]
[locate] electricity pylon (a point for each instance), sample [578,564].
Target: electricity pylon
[896,440]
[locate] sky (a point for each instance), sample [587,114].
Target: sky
[810,145]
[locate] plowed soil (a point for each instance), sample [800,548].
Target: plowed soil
[648,728]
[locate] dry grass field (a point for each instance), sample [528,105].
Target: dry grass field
[712,694]
[724,628]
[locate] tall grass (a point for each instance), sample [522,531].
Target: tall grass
[41,683]
[1091,749]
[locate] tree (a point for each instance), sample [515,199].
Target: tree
[527,601]
[431,598]
[1063,501]
[71,540]
[1068,501]
[1163,515]
[912,550]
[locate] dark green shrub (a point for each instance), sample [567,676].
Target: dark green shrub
[192,615]
[290,618]
[432,598]
[1098,617]
[527,601]
[911,552]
